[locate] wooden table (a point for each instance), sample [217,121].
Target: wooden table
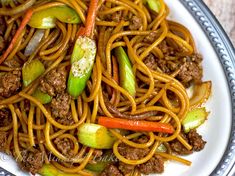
[224,10]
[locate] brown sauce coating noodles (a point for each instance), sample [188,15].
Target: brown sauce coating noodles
[148,38]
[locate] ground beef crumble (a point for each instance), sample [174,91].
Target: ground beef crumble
[5,117]
[154,165]
[65,146]
[190,69]
[151,37]
[32,162]
[135,23]
[111,170]
[10,83]
[13,63]
[3,141]
[193,138]
[68,120]
[150,62]
[125,168]
[61,105]
[196,140]
[131,152]
[179,148]
[167,49]
[54,82]
[117,17]
[60,108]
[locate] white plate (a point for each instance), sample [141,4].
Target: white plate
[216,129]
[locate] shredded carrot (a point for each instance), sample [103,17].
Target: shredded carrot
[80,32]
[90,20]
[91,15]
[24,22]
[135,125]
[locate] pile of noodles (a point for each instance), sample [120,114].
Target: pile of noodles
[39,128]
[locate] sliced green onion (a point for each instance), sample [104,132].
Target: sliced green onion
[154,5]
[82,61]
[127,77]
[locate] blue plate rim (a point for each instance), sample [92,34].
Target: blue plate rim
[226,54]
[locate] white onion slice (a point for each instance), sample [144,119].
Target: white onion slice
[200,94]
[34,42]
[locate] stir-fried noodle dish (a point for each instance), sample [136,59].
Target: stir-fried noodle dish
[98,87]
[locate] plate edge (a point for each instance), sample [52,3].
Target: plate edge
[226,54]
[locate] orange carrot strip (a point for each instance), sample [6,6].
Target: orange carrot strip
[135,125]
[91,15]
[24,22]
[80,32]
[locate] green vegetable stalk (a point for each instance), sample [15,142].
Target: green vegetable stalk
[101,162]
[32,71]
[154,5]
[95,136]
[127,77]
[50,170]
[161,148]
[194,119]
[45,19]
[82,61]
[42,97]
[97,167]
